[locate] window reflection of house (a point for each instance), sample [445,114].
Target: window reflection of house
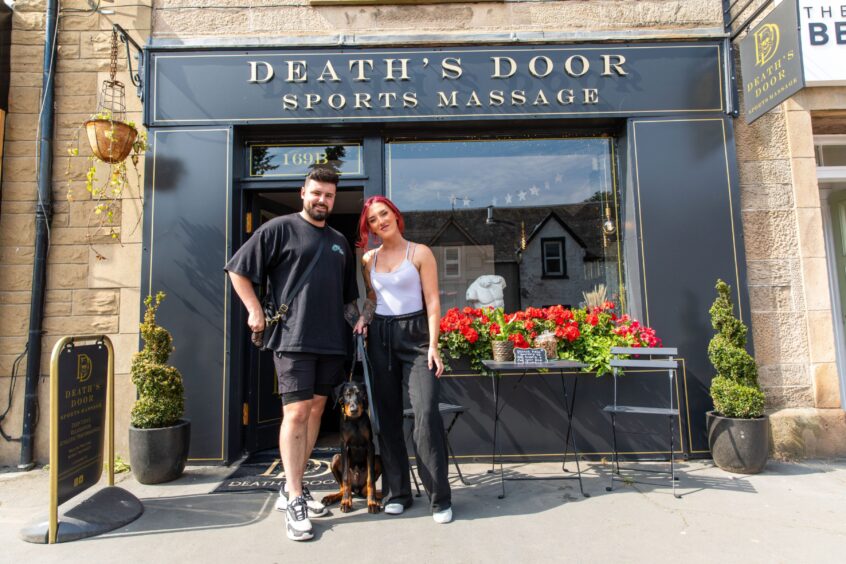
[554,268]
[462,257]
[466,248]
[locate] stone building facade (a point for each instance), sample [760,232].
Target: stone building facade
[788,282]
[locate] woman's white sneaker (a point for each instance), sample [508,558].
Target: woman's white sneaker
[394,509]
[444,516]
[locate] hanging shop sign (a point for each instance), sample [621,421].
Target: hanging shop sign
[295,86]
[823,31]
[770,61]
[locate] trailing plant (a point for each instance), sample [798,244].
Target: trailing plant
[160,400]
[735,389]
[107,183]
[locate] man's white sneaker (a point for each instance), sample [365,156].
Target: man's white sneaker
[394,509]
[297,525]
[444,516]
[315,508]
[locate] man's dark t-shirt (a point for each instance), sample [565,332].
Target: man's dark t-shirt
[281,250]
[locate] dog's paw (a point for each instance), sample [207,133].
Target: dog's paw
[373,507]
[328,500]
[346,506]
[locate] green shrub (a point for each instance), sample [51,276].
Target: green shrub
[733,399]
[160,400]
[735,389]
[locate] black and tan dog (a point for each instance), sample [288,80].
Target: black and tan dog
[358,466]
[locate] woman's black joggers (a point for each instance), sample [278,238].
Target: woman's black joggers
[398,347]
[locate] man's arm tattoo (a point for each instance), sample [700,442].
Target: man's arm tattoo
[351,313]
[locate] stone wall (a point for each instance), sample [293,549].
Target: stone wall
[285,19]
[85,295]
[790,295]
[786,260]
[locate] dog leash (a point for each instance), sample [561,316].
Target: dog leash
[361,355]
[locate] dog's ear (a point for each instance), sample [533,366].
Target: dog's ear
[339,393]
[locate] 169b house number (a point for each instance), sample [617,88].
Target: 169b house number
[299,158]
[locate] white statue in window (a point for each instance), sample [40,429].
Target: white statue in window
[486,291]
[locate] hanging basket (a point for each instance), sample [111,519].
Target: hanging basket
[503,351]
[111,141]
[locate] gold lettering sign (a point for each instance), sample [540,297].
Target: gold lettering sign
[295,161]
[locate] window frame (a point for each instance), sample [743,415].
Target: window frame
[562,245]
[456,262]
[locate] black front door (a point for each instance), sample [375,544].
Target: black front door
[263,404]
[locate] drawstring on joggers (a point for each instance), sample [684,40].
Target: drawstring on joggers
[385,327]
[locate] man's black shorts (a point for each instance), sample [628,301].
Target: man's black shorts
[301,375]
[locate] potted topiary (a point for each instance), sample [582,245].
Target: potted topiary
[158,436]
[737,427]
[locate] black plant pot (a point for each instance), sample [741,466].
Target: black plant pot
[159,455]
[738,445]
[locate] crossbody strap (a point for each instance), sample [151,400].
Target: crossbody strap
[286,300]
[361,354]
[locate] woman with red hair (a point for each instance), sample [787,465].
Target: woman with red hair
[403,310]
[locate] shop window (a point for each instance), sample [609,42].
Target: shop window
[513,222]
[831,155]
[594,270]
[830,152]
[554,265]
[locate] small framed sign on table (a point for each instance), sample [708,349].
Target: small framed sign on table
[529,356]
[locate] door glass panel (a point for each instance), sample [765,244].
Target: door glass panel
[295,161]
[493,202]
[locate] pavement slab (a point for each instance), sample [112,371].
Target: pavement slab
[792,512]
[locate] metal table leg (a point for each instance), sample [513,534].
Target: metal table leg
[449,448]
[571,433]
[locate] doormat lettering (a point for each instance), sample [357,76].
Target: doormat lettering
[265,473]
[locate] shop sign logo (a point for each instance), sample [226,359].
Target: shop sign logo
[84,368]
[766,43]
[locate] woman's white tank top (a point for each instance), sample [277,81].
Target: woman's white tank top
[397,292]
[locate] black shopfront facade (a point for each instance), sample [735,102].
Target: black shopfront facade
[553,142]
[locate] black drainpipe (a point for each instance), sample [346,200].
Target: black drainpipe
[43,216]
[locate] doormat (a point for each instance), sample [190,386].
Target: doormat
[264,471]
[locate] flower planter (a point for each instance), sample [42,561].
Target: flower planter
[738,445]
[159,455]
[111,141]
[503,351]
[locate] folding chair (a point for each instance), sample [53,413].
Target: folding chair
[445,409]
[615,409]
